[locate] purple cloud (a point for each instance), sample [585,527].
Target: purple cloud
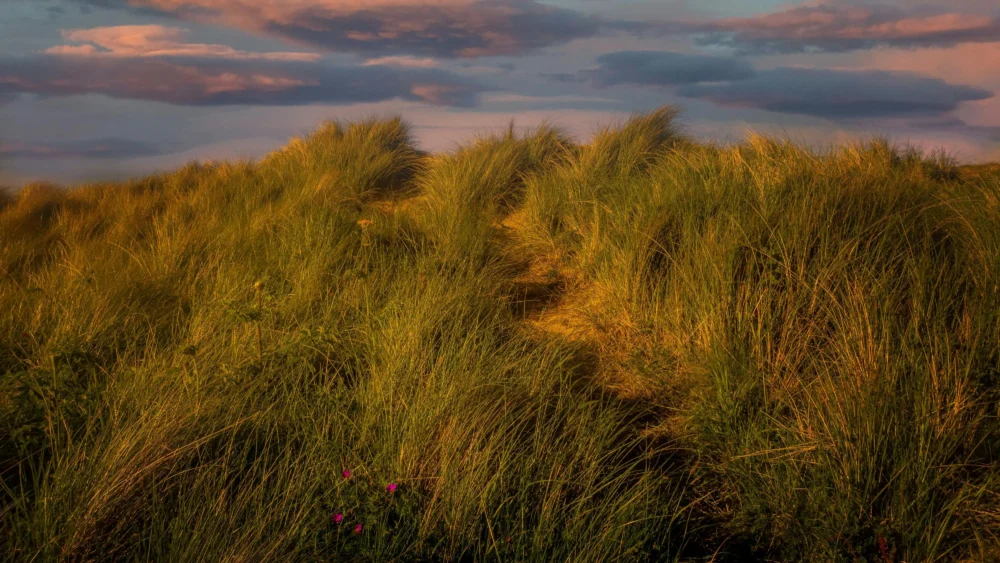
[199,81]
[845,25]
[156,41]
[435,28]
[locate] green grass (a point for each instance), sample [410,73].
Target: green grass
[780,354]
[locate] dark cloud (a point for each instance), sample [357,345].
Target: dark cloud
[212,82]
[451,29]
[845,25]
[96,148]
[665,68]
[837,94]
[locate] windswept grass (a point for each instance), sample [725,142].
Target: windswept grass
[777,354]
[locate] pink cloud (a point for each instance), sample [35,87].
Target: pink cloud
[925,26]
[150,80]
[413,62]
[977,64]
[846,25]
[151,62]
[970,63]
[72,50]
[157,41]
[440,28]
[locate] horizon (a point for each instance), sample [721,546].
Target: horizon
[108,89]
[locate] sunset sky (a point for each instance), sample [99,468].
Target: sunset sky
[93,89]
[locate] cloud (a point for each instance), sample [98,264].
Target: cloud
[496,69]
[845,25]
[952,124]
[427,28]
[411,62]
[826,93]
[152,62]
[95,149]
[839,94]
[566,77]
[664,68]
[156,41]
[219,81]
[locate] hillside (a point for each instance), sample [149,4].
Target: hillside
[637,349]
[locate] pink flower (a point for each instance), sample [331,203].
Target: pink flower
[357,529]
[338,517]
[346,474]
[391,487]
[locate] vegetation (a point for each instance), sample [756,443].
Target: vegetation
[638,349]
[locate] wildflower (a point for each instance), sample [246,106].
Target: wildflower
[357,528]
[338,518]
[391,487]
[508,539]
[365,223]
[346,474]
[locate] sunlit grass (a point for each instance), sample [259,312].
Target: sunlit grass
[772,354]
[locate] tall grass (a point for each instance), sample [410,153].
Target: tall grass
[790,355]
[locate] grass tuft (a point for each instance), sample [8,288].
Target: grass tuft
[751,352]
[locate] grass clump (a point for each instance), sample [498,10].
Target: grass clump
[753,352]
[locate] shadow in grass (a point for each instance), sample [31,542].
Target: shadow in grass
[530,298]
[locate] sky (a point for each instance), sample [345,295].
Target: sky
[107,89]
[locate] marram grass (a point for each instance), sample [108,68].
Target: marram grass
[638,349]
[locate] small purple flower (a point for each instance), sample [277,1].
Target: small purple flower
[357,529]
[346,474]
[391,487]
[338,518]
